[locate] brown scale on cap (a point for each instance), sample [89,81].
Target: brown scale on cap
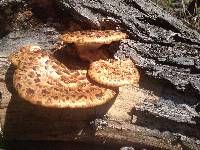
[42,80]
[20,55]
[114,73]
[91,40]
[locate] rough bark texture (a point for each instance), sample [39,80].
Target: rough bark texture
[159,43]
[161,113]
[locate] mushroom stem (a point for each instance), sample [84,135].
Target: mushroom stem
[88,47]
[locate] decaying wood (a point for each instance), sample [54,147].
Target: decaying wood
[122,124]
[162,112]
[22,121]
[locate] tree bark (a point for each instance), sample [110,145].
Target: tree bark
[162,112]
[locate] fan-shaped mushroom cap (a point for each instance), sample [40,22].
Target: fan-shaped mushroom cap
[43,80]
[114,73]
[92,39]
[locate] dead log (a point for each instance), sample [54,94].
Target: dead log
[159,43]
[161,113]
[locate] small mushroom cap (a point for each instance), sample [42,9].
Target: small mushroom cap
[44,81]
[114,73]
[89,37]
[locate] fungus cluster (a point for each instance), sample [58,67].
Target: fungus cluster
[41,79]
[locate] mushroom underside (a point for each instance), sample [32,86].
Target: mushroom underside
[94,55]
[91,39]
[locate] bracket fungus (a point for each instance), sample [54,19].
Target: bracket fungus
[105,71]
[92,39]
[42,80]
[87,42]
[114,73]
[21,54]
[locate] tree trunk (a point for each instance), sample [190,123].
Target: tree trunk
[162,112]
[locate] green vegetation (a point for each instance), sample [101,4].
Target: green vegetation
[164,3]
[179,8]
